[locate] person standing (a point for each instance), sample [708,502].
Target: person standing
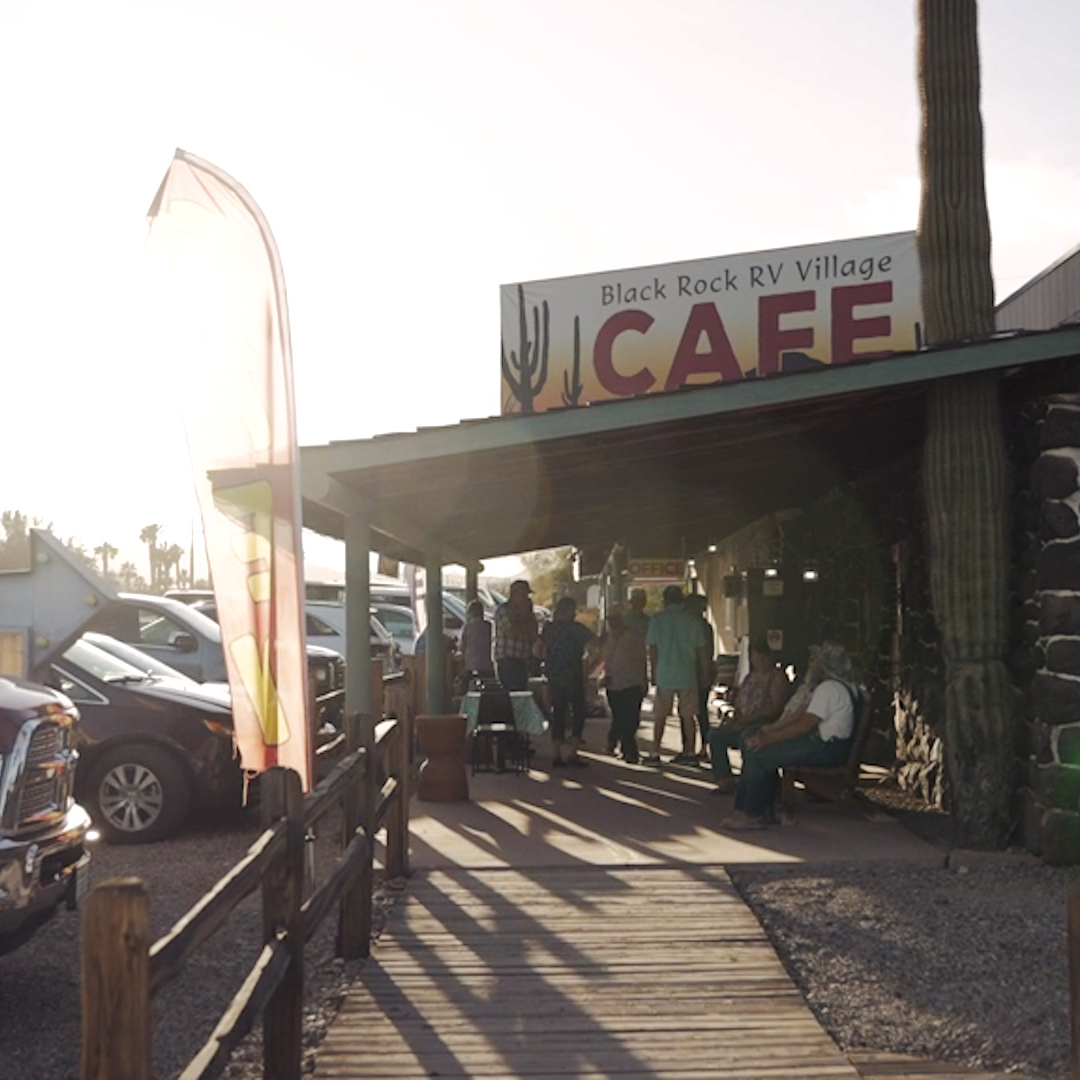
[696,605]
[626,676]
[636,616]
[677,660]
[515,637]
[759,700]
[637,621]
[562,648]
[475,644]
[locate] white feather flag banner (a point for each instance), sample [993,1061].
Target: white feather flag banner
[225,318]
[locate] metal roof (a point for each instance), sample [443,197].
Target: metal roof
[1048,300]
[662,473]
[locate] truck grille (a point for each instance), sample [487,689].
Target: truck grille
[44,788]
[47,742]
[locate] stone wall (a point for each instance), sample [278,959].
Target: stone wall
[871,596]
[1048,657]
[916,687]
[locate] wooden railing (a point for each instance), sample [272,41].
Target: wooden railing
[122,970]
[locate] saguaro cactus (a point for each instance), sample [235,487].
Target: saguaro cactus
[572,386]
[965,469]
[527,369]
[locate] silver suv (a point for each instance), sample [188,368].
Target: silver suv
[188,639]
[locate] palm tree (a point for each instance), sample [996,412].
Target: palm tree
[170,559]
[964,465]
[149,537]
[129,577]
[105,551]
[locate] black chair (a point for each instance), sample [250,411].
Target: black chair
[496,742]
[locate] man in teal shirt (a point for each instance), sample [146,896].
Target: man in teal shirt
[677,658]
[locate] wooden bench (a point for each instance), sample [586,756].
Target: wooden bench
[835,783]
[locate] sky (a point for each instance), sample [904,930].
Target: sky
[412,156]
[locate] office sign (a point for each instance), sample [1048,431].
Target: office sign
[656,570]
[568,342]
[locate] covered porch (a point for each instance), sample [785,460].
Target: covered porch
[665,474]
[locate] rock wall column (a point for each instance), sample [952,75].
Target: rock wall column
[1050,582]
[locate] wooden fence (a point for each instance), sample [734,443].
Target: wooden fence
[122,969]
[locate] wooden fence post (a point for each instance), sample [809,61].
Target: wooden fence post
[283,895]
[354,923]
[397,828]
[116,1033]
[369,799]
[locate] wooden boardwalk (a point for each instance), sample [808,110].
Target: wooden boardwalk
[576,971]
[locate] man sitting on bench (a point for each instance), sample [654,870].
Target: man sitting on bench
[820,734]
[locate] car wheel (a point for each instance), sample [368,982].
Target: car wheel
[138,794]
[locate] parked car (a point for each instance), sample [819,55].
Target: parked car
[176,633]
[325,629]
[189,596]
[401,623]
[492,598]
[398,596]
[150,664]
[44,858]
[185,637]
[326,624]
[152,745]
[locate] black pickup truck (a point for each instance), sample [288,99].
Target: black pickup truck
[44,861]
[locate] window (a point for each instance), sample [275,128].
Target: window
[155,629]
[320,627]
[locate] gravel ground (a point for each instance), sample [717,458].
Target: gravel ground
[965,963]
[39,983]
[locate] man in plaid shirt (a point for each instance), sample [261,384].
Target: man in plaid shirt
[515,637]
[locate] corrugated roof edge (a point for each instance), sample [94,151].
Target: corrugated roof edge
[1039,277]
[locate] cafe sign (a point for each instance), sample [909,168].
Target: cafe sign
[568,342]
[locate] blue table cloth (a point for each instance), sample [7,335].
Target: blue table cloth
[528,716]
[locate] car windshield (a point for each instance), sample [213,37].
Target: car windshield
[103,665]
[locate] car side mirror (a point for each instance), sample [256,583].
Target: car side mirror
[184,642]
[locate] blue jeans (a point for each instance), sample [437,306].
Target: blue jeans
[724,738]
[759,783]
